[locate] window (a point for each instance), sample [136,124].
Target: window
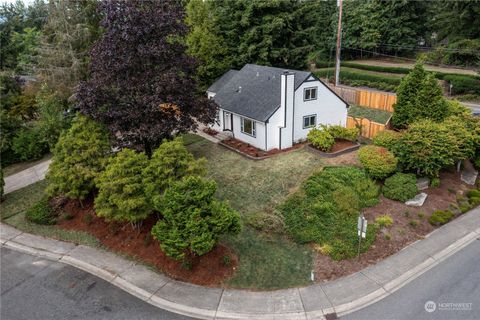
[309,121]
[248,127]
[310,94]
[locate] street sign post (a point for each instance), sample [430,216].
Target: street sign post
[361,230]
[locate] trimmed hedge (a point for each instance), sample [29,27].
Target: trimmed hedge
[378,162]
[400,186]
[462,84]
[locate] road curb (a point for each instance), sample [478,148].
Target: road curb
[49,249]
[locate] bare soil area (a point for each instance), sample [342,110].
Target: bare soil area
[255,152]
[209,269]
[409,224]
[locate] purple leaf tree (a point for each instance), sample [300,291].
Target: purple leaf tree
[142,83]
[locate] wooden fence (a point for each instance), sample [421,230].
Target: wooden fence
[366,98]
[368,127]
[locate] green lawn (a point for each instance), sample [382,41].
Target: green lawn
[377,115]
[266,261]
[13,213]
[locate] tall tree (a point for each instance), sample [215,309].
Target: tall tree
[142,82]
[71,29]
[204,43]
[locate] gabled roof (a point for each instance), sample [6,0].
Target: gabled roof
[259,96]
[217,85]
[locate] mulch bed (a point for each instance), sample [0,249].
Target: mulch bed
[252,151]
[210,131]
[401,232]
[207,270]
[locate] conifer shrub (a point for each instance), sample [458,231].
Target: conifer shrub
[400,186]
[378,162]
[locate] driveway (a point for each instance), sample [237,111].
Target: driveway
[35,288]
[454,281]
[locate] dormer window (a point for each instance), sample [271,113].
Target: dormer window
[310,94]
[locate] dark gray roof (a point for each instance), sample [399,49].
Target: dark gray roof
[259,96]
[220,82]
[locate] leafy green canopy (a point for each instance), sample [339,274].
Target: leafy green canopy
[121,196]
[193,219]
[78,158]
[326,208]
[418,97]
[169,163]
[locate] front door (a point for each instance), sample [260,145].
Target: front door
[227,121]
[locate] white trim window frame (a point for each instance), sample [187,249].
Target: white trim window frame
[248,125]
[311,123]
[310,93]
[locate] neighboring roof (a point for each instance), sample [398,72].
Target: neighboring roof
[217,85]
[259,96]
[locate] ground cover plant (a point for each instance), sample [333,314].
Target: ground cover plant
[326,208]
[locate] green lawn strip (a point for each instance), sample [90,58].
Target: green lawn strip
[377,115]
[20,200]
[13,213]
[269,262]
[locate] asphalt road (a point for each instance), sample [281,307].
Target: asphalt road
[35,288]
[455,280]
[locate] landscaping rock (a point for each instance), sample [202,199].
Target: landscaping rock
[417,201]
[423,183]
[469,176]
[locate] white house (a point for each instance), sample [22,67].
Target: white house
[273,108]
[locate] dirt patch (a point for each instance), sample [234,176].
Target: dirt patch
[346,159]
[401,233]
[210,269]
[252,151]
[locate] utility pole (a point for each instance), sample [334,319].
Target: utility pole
[339,43]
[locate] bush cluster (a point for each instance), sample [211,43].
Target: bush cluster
[378,162]
[326,208]
[352,76]
[321,139]
[463,85]
[336,131]
[41,213]
[400,186]
[440,217]
[387,139]
[28,145]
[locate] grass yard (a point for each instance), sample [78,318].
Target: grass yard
[13,213]
[377,115]
[266,260]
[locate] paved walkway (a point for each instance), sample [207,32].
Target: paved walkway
[26,177]
[341,296]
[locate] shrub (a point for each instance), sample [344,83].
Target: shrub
[473,197]
[326,207]
[387,139]
[41,213]
[193,220]
[435,182]
[120,191]
[462,84]
[384,221]
[169,163]
[378,162]
[413,223]
[28,144]
[78,158]
[440,217]
[341,132]
[400,186]
[321,139]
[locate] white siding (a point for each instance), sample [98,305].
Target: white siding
[258,141]
[287,102]
[328,108]
[273,130]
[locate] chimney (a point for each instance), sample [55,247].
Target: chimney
[287,92]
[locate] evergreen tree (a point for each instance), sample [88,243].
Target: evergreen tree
[430,103]
[405,107]
[204,43]
[78,158]
[193,220]
[120,190]
[169,163]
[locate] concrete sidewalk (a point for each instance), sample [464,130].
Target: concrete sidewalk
[313,302]
[26,177]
